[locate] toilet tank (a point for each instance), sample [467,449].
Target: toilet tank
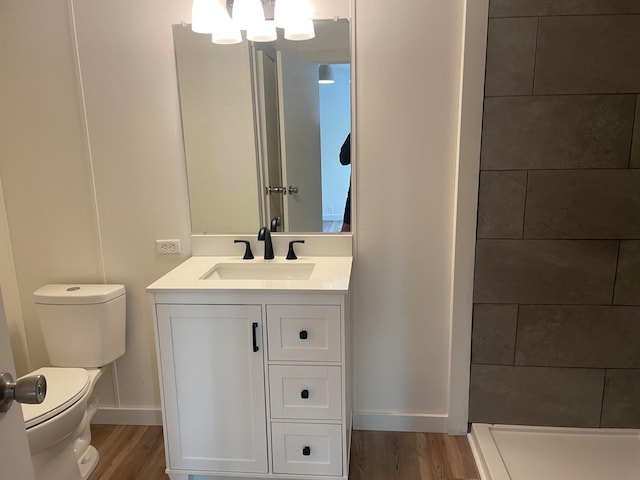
[82,325]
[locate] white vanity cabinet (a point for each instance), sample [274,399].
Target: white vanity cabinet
[254,385]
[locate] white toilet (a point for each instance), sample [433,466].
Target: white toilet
[84,329]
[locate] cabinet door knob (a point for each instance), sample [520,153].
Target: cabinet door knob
[304,335]
[304,393]
[306,451]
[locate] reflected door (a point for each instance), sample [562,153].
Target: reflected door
[299,100]
[267,82]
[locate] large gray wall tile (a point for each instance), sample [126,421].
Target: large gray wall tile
[627,290]
[621,404]
[578,336]
[545,271]
[583,204]
[576,131]
[535,396]
[511,51]
[635,149]
[517,8]
[494,334]
[588,54]
[501,204]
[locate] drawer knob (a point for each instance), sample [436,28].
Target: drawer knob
[304,335]
[304,393]
[306,451]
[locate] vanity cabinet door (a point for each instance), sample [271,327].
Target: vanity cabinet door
[213,387]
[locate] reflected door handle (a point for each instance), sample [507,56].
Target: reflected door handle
[282,190]
[293,190]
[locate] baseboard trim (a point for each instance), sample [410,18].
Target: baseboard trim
[127,416]
[394,422]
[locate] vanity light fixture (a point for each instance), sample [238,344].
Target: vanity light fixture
[225,31]
[325,74]
[263,32]
[247,14]
[202,15]
[212,17]
[299,29]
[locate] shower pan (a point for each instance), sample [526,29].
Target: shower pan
[519,452]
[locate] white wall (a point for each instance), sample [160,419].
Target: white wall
[85,201]
[407,92]
[94,172]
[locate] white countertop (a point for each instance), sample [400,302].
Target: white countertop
[329,275]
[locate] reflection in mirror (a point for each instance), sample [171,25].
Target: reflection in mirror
[262,135]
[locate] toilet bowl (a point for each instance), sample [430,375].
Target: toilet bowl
[83,328]
[58,429]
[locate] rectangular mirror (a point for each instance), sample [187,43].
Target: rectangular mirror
[262,135]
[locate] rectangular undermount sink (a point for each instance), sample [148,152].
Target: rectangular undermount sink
[259,271]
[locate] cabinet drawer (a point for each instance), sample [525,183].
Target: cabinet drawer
[304,332]
[300,448]
[310,392]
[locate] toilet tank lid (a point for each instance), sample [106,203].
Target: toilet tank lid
[77,294]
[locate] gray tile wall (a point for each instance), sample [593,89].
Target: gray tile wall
[556,323]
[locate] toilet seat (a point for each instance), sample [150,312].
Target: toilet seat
[65,386]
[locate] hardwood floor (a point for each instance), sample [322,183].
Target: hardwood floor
[137,453]
[128,453]
[410,456]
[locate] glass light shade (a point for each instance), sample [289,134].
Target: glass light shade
[325,74]
[282,13]
[226,35]
[202,12]
[262,32]
[247,13]
[225,31]
[301,29]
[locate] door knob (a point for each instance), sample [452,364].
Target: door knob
[293,189]
[32,389]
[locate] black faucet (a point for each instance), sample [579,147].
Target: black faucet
[264,235]
[275,223]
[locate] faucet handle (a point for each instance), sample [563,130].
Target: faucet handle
[248,254]
[291,255]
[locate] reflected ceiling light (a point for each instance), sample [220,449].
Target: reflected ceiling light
[202,13]
[225,31]
[248,14]
[262,32]
[325,74]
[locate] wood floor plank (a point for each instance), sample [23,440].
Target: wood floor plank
[129,452]
[137,453]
